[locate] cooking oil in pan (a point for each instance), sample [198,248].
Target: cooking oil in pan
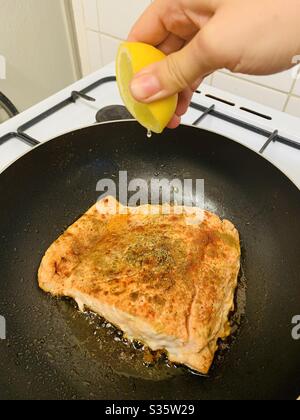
[111,354]
[236,319]
[108,352]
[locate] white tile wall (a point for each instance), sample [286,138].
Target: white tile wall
[297,86]
[281,81]
[94,50]
[116,17]
[250,90]
[109,48]
[91,14]
[102,24]
[293,106]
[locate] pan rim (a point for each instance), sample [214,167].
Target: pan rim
[133,120]
[131,128]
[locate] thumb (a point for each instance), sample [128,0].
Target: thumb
[176,72]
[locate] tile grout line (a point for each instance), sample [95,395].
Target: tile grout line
[111,36]
[233,76]
[99,31]
[286,102]
[88,59]
[291,92]
[105,34]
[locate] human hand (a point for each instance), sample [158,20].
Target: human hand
[256,37]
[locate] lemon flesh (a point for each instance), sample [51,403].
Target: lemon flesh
[132,58]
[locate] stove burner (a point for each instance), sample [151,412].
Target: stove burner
[117,112]
[113,113]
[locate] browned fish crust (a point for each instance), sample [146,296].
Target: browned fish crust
[162,281]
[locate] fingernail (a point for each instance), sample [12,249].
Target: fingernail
[145,86]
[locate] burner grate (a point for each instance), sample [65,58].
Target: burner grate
[271,136]
[25,138]
[117,112]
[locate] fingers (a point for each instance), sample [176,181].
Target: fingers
[150,27]
[178,17]
[184,101]
[165,16]
[176,72]
[183,104]
[171,44]
[175,122]
[197,83]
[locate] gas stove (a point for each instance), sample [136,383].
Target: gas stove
[95,98]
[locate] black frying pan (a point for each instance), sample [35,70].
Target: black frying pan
[53,352]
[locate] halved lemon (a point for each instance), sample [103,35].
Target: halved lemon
[132,58]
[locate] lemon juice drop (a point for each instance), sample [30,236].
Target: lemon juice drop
[149,134]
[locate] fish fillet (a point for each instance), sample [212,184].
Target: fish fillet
[162,281]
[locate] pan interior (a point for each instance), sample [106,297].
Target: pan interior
[52,351]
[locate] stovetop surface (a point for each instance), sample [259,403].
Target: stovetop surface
[99,103]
